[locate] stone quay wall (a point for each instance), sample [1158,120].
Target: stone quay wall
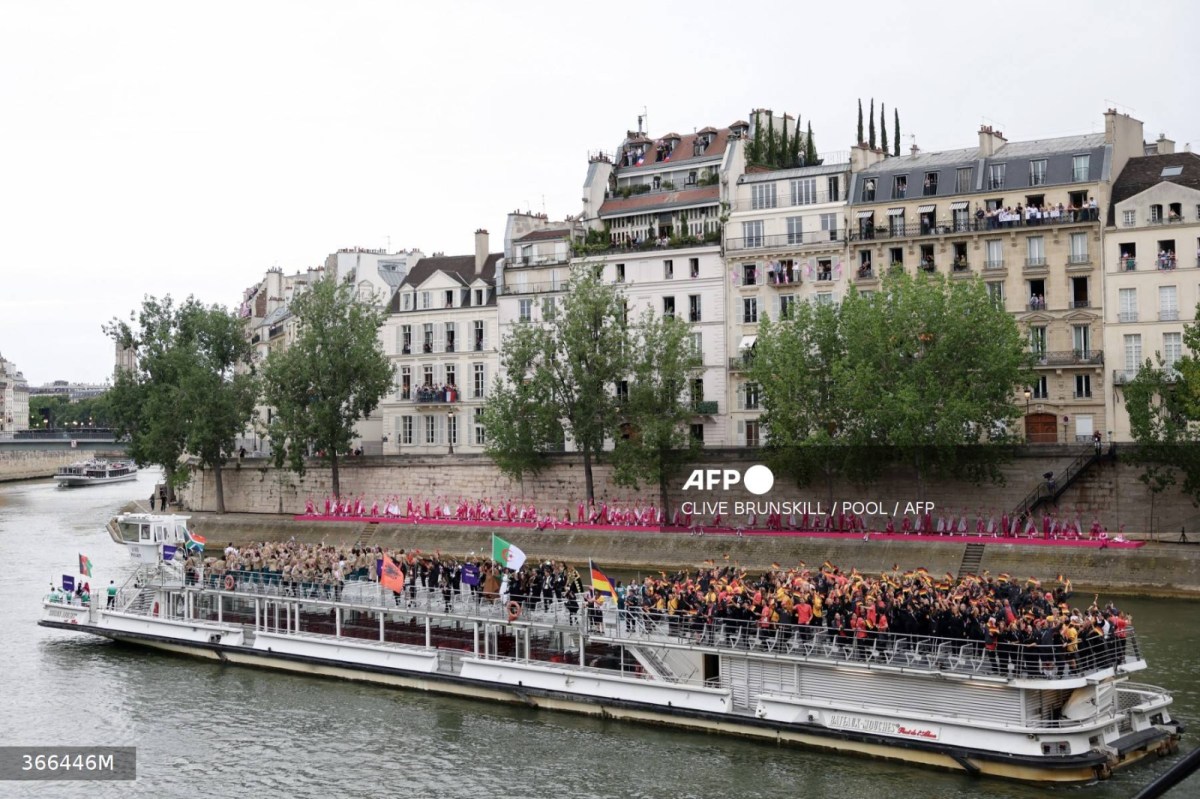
[1109,490]
[34,464]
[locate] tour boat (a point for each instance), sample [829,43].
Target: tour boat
[929,701]
[95,472]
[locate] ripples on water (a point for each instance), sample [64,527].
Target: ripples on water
[208,730]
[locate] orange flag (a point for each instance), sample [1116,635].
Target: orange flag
[391,576]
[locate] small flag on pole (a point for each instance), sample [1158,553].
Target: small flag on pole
[390,576]
[503,552]
[169,552]
[68,583]
[85,565]
[194,540]
[600,582]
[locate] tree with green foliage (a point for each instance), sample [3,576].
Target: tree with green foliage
[1163,403]
[754,145]
[883,140]
[859,136]
[793,158]
[810,148]
[146,402]
[56,410]
[931,369]
[220,390]
[772,153]
[193,389]
[331,377]
[795,365]
[896,132]
[871,129]
[568,366]
[781,161]
[656,440]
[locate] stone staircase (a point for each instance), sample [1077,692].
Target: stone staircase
[366,535]
[972,559]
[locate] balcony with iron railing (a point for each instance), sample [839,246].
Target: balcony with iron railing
[784,240]
[705,407]
[1079,259]
[433,395]
[1123,376]
[532,288]
[711,237]
[1128,316]
[741,363]
[1036,263]
[1080,357]
[948,227]
[537,260]
[993,265]
[1168,315]
[1081,303]
[784,198]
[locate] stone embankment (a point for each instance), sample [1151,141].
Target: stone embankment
[33,464]
[1158,568]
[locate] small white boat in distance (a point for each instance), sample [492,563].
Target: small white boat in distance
[95,472]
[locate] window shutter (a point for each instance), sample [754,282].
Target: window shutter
[777,308]
[741,433]
[741,401]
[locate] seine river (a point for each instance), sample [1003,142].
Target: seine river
[206,730]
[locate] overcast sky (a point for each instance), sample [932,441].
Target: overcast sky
[169,148]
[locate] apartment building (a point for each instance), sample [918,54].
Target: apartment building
[14,398]
[533,276]
[785,242]
[654,212]
[1152,267]
[441,335]
[1025,217]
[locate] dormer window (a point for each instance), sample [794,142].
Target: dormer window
[899,187]
[449,298]
[868,190]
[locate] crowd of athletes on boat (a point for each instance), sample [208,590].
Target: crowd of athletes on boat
[1055,524]
[1016,627]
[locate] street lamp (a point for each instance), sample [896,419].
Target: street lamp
[450,429]
[1028,396]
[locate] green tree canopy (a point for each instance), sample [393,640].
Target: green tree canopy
[1163,403]
[656,439]
[185,394]
[332,376]
[565,367]
[919,372]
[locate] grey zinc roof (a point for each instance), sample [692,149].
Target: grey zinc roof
[276,316]
[797,172]
[1057,146]
[908,163]
[393,277]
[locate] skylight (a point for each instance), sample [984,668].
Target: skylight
[1172,171]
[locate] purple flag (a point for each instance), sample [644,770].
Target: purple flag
[68,583]
[169,552]
[470,574]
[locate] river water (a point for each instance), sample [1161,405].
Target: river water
[208,730]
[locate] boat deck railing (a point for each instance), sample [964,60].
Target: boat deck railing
[1046,659]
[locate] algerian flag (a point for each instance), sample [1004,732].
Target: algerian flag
[503,552]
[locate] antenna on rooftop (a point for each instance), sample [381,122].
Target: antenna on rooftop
[1124,109]
[643,117]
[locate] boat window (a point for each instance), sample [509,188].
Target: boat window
[144,532]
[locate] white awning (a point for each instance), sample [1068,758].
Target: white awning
[865,214]
[895,212]
[960,205]
[926,209]
[748,342]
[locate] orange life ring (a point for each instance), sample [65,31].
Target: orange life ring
[154,610]
[514,611]
[229,583]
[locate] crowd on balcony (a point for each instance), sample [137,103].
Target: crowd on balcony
[1009,216]
[430,393]
[1166,259]
[1037,302]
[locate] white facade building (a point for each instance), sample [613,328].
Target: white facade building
[441,335]
[14,398]
[1152,253]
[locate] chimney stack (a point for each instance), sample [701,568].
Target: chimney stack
[990,140]
[1164,146]
[481,248]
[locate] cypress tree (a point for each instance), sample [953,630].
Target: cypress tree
[860,138]
[772,143]
[810,149]
[883,127]
[755,145]
[896,132]
[794,153]
[871,128]
[782,161]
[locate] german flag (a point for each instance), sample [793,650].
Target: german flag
[600,582]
